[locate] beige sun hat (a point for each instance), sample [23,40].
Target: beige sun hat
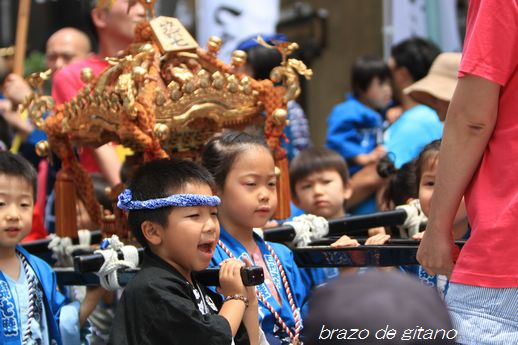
[441,80]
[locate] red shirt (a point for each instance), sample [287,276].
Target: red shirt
[489,258]
[66,84]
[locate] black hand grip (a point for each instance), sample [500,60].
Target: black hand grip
[251,276]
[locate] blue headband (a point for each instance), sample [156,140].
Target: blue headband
[182,200]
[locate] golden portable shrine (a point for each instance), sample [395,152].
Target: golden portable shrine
[164,96]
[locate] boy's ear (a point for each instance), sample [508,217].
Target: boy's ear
[99,17]
[152,232]
[348,191]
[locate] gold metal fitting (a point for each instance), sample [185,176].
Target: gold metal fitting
[147,48]
[139,73]
[238,58]
[161,131]
[280,116]
[218,81]
[214,45]
[42,148]
[87,75]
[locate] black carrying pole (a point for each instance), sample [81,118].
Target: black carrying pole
[93,262]
[38,246]
[398,252]
[209,277]
[87,264]
[352,225]
[392,241]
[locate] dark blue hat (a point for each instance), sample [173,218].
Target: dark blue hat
[251,42]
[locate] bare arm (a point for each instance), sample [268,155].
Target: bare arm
[364,183]
[251,317]
[16,88]
[92,298]
[469,124]
[231,284]
[109,163]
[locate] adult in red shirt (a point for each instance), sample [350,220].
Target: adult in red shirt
[478,159]
[115,27]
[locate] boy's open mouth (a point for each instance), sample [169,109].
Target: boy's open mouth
[207,247]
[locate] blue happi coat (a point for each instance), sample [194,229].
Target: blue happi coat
[300,283]
[53,300]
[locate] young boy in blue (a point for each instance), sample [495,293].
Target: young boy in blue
[320,186]
[33,311]
[244,171]
[355,126]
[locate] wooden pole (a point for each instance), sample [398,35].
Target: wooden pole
[22,27]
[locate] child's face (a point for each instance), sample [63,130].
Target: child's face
[190,238]
[16,209]
[379,94]
[249,196]
[426,185]
[322,193]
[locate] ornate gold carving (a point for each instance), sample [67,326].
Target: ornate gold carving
[159,101]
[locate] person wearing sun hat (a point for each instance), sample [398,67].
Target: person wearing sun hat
[436,89]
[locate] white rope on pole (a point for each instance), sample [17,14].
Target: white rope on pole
[108,271]
[414,217]
[62,247]
[308,228]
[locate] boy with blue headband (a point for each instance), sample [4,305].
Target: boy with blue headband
[172,213]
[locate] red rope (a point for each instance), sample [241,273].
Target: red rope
[280,321]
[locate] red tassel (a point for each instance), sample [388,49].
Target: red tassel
[283,210]
[66,218]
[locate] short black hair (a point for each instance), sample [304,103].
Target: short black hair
[316,159]
[363,72]
[159,179]
[262,60]
[16,166]
[220,152]
[401,183]
[416,55]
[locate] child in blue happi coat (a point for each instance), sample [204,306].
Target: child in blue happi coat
[425,171]
[355,126]
[32,309]
[244,172]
